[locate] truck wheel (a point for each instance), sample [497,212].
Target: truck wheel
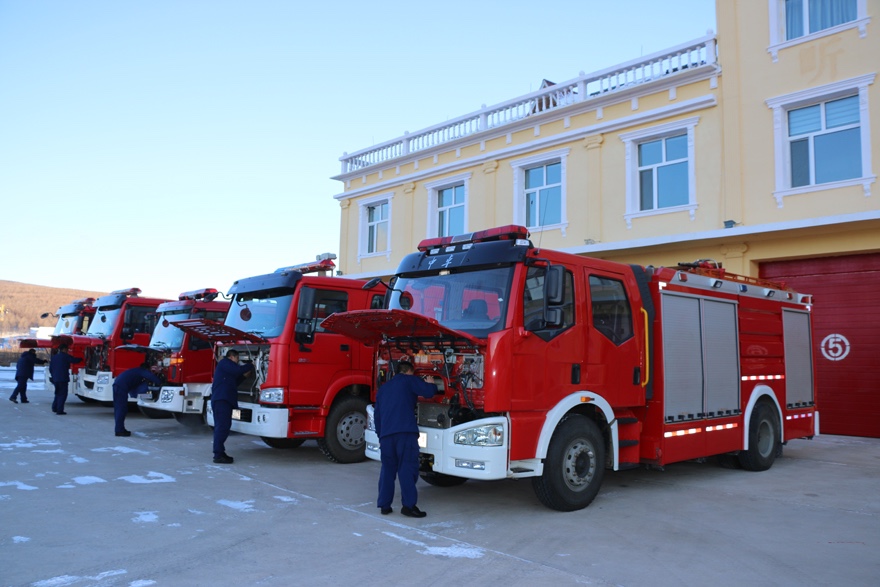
[283,442]
[343,440]
[154,413]
[574,467]
[441,479]
[763,439]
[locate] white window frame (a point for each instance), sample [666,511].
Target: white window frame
[631,141]
[363,228]
[519,192]
[433,188]
[777,27]
[780,106]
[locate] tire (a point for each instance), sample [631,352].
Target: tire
[154,413]
[343,440]
[283,442]
[574,467]
[763,439]
[441,479]
[191,420]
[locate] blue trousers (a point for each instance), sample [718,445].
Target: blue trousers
[400,459]
[20,389]
[60,395]
[222,425]
[120,403]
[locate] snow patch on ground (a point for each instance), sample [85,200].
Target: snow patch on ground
[152,477]
[287,499]
[64,580]
[120,449]
[145,517]
[88,480]
[18,485]
[454,551]
[243,506]
[20,539]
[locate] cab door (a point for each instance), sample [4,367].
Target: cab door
[317,355]
[615,359]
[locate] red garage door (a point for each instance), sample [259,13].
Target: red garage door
[846,337]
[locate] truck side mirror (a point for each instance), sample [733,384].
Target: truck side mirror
[553,317]
[127,333]
[554,289]
[303,333]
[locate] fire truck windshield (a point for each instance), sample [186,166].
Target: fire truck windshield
[68,324]
[471,301]
[166,336]
[104,321]
[261,312]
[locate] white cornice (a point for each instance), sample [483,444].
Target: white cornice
[679,108]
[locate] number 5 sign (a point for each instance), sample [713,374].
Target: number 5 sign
[835,347]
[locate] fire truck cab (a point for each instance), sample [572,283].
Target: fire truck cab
[121,317]
[187,361]
[308,383]
[555,366]
[73,319]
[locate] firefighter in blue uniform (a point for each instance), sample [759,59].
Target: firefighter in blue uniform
[398,432]
[131,382]
[59,371]
[224,398]
[24,370]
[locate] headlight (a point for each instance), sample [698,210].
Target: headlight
[492,435]
[103,379]
[272,395]
[166,396]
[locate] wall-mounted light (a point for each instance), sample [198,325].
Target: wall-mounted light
[730,223]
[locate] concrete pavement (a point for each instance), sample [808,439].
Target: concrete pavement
[80,507]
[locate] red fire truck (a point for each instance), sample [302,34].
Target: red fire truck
[555,366]
[121,317]
[308,383]
[187,361]
[73,318]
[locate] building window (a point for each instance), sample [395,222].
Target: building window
[663,173]
[822,138]
[798,21]
[811,16]
[544,195]
[375,226]
[539,191]
[825,142]
[660,170]
[447,205]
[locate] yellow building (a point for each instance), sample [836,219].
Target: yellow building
[752,147]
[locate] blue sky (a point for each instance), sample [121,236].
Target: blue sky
[175,145]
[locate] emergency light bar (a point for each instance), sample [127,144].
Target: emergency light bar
[132,291]
[84,301]
[325,264]
[207,294]
[509,232]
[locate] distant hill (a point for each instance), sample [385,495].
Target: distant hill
[22,303]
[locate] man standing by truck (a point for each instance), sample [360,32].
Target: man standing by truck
[399,435]
[224,399]
[24,370]
[59,371]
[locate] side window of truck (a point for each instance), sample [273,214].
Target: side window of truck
[328,302]
[137,318]
[612,313]
[377,303]
[533,303]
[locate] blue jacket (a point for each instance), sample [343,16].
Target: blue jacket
[227,376]
[24,369]
[394,411]
[129,380]
[59,367]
